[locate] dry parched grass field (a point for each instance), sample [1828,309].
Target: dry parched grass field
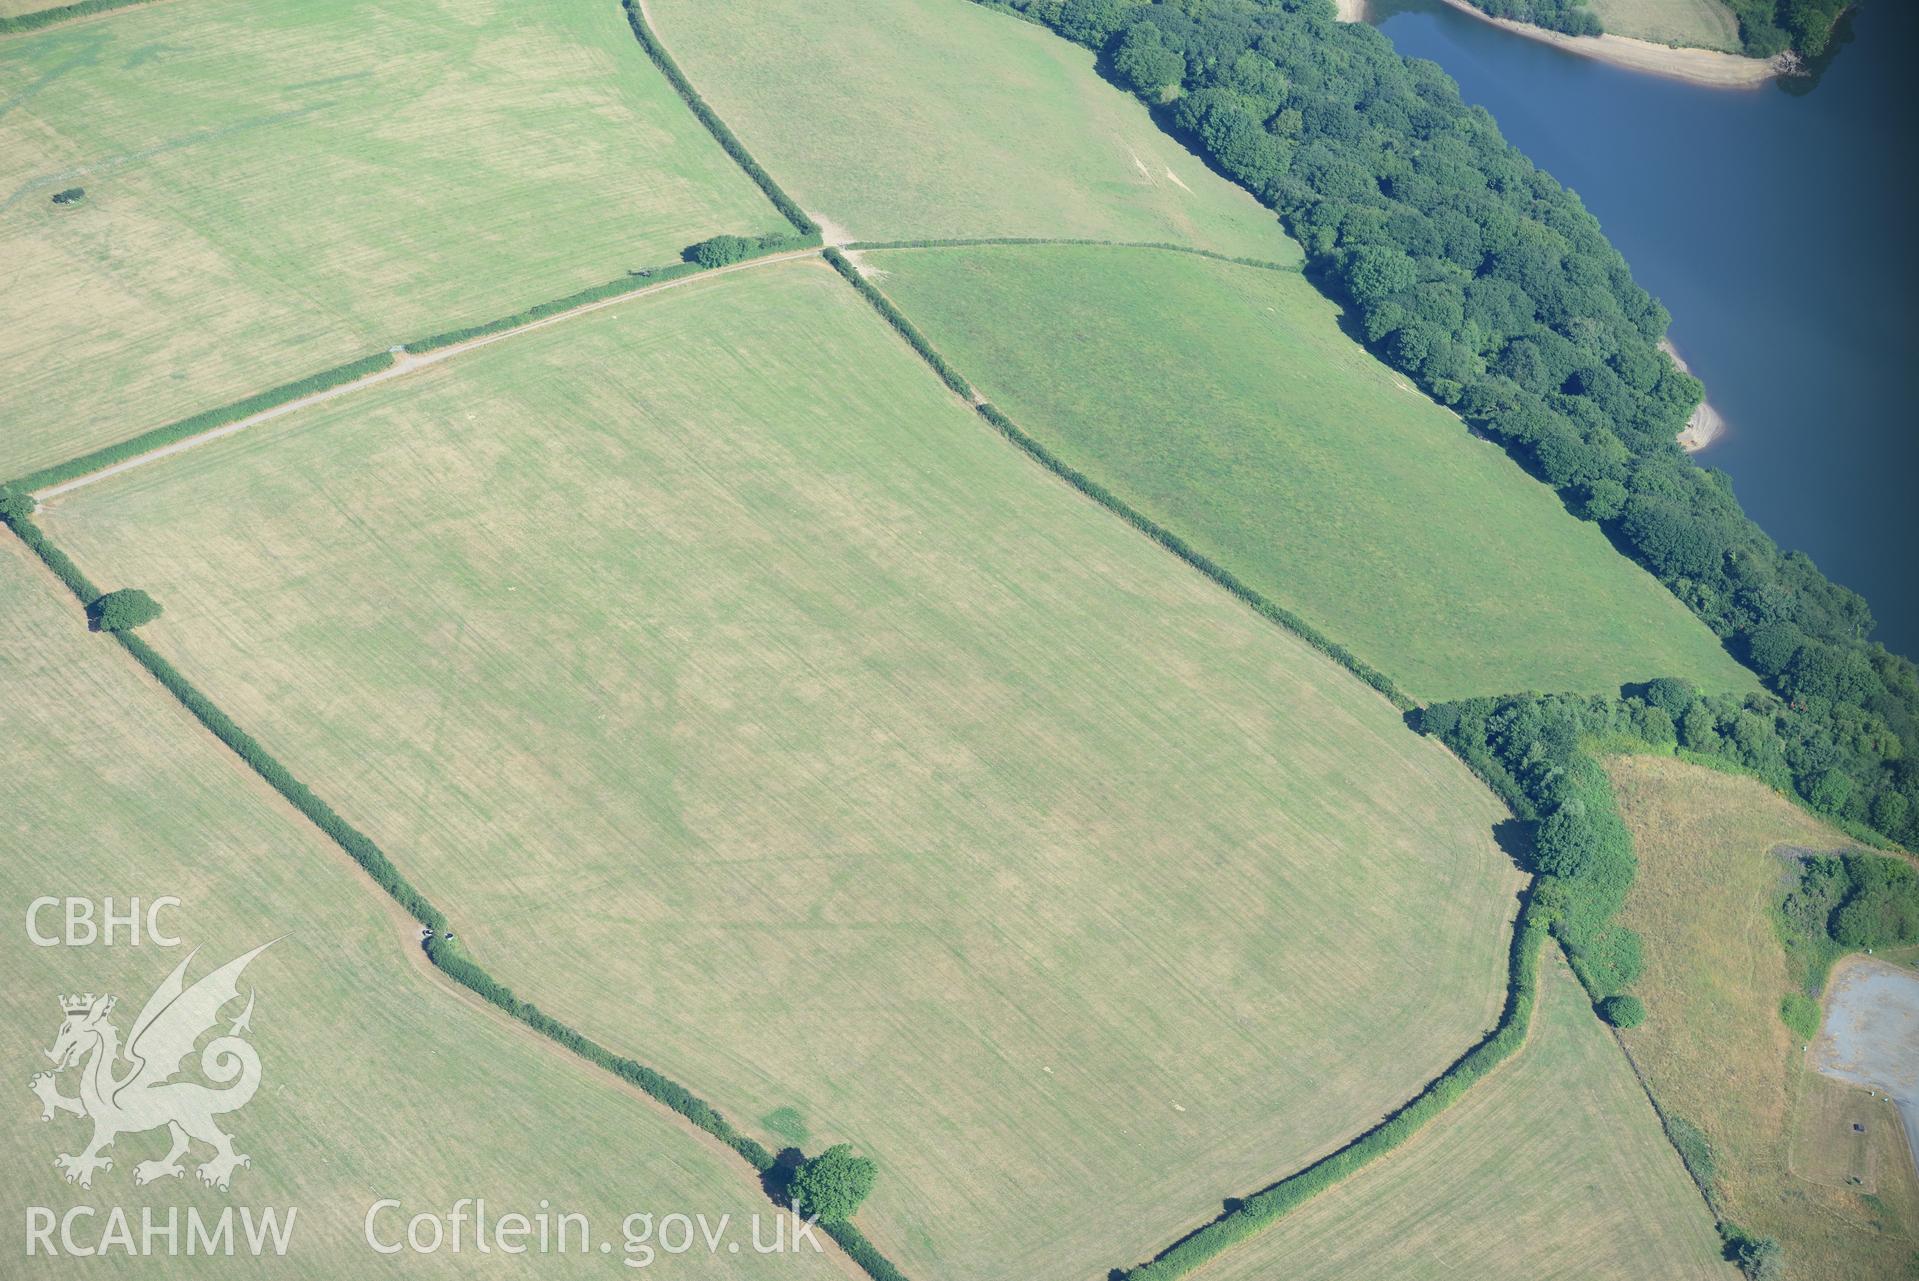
[753,707]
[939,118]
[1704,24]
[1714,1049]
[1552,1169]
[277,187]
[378,1079]
[1225,402]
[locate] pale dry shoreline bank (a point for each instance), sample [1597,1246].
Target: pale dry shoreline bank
[1707,67]
[1706,424]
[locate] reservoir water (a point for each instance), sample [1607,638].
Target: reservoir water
[1778,226]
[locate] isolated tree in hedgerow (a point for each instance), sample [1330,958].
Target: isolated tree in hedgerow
[1760,1258]
[832,1185]
[1623,1011]
[720,251]
[124,610]
[15,504]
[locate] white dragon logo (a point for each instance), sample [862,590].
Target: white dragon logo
[142,1097]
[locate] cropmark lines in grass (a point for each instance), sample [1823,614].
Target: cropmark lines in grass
[440,946]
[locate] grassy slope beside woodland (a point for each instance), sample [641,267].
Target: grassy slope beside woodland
[1481,277]
[792,733]
[920,118]
[277,187]
[1225,403]
[378,1080]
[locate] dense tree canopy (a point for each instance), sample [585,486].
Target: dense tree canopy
[1623,1010]
[1569,16]
[1769,27]
[15,504]
[124,610]
[1489,283]
[831,1186]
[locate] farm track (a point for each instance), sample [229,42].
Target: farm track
[405,362]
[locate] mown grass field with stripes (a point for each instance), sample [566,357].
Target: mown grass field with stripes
[1225,403]
[278,187]
[377,1082]
[754,707]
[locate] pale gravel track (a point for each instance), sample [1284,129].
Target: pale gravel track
[404,362]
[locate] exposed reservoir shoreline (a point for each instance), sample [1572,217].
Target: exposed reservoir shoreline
[1706,424]
[1774,227]
[1708,67]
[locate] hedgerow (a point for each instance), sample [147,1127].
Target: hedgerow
[714,125]
[1112,502]
[1534,751]
[906,328]
[442,949]
[632,282]
[54,559]
[48,17]
[862,1251]
[145,442]
[349,838]
[1259,1211]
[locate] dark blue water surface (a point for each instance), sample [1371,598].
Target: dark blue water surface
[1778,227]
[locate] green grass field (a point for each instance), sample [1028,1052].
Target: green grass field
[277,187]
[1225,403]
[1714,1049]
[379,1080]
[1552,1169]
[751,705]
[1705,24]
[937,118]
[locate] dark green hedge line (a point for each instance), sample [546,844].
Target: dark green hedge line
[1112,502]
[714,125]
[452,962]
[906,328]
[66,12]
[349,838]
[632,282]
[1540,754]
[862,1251]
[1261,1210]
[56,560]
[444,952]
[1198,560]
[145,442]
[977,241]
